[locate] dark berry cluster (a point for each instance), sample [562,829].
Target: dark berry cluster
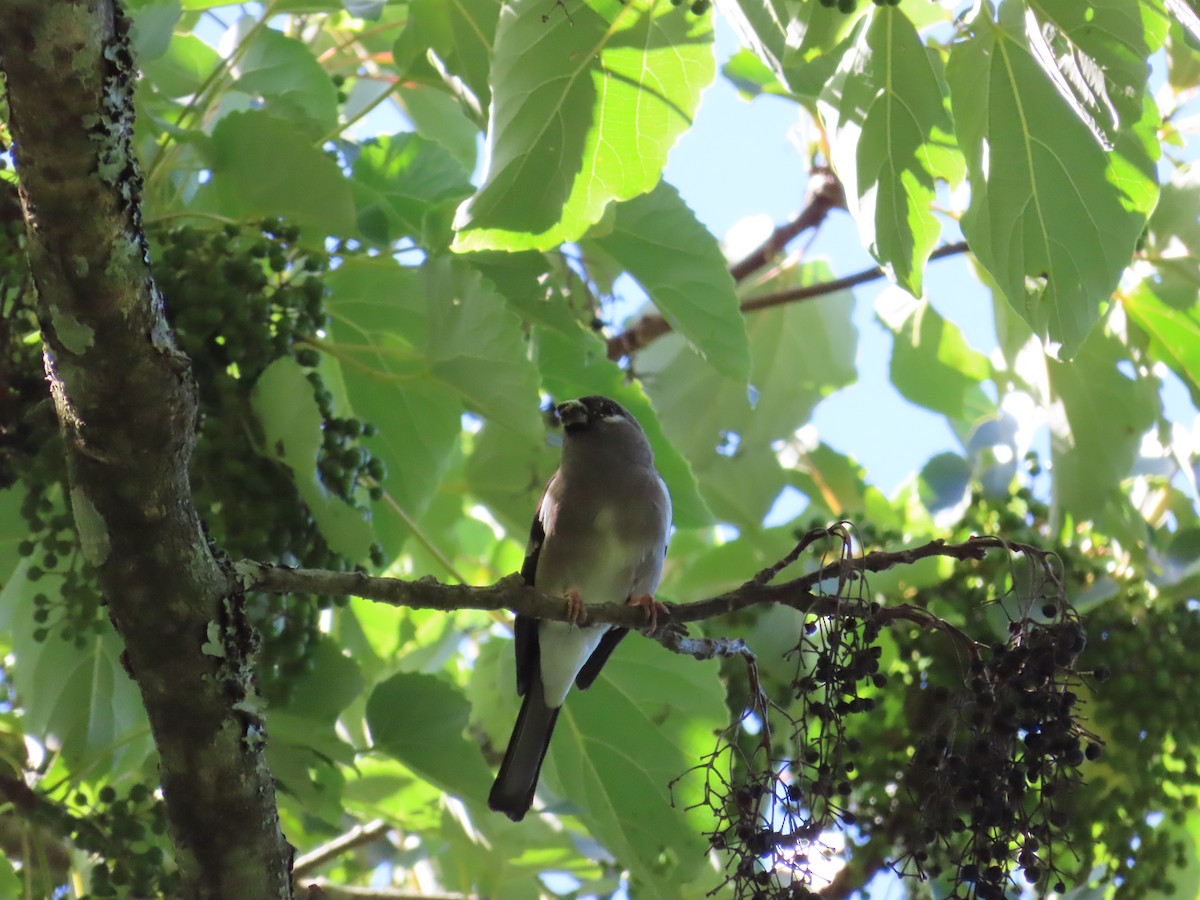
[995,777]
[973,771]
[773,801]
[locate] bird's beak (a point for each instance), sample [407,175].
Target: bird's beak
[571,413]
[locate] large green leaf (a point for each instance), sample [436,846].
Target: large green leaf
[460,32]
[932,364]
[287,412]
[1174,331]
[187,63]
[283,72]
[792,39]
[800,353]
[890,138]
[266,166]
[420,720]
[649,717]
[1098,55]
[678,262]
[407,186]
[152,29]
[440,117]
[1054,214]
[1106,413]
[439,326]
[586,103]
[507,472]
[78,698]
[660,710]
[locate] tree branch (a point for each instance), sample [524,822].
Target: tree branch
[652,326]
[355,837]
[126,405]
[325,890]
[512,594]
[824,194]
[809,291]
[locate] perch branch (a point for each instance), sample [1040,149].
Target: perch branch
[511,593]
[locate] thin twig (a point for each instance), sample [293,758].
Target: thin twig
[653,326]
[810,291]
[355,837]
[824,195]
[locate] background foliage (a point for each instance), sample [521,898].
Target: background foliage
[388,233]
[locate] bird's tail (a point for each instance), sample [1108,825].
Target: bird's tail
[517,779]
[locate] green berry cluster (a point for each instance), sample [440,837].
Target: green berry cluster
[238,299]
[66,600]
[128,837]
[1148,708]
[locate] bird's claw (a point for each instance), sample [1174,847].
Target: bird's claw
[653,608]
[576,609]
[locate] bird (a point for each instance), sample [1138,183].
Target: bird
[599,536]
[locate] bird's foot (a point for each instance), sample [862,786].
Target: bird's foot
[653,608]
[576,609]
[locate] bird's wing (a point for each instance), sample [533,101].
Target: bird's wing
[525,632]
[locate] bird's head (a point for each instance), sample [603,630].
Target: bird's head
[598,424]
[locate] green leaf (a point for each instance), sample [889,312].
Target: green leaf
[579,367]
[890,136]
[932,364]
[79,699]
[415,346]
[476,347]
[1174,332]
[407,186]
[1107,412]
[439,117]
[1098,57]
[1174,227]
[1183,63]
[1054,214]
[675,259]
[153,25]
[372,302]
[266,166]
[328,684]
[285,74]
[186,65]
[799,352]
[567,89]
[741,487]
[461,34]
[648,705]
[507,472]
[660,709]
[420,720]
[282,400]
[751,76]
[792,39]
